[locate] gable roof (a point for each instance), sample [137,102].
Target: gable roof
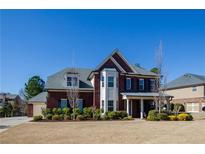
[42,97]
[186,80]
[116,51]
[135,70]
[58,81]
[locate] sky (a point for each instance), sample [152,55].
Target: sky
[42,42]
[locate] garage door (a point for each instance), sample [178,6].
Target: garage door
[37,108]
[192,107]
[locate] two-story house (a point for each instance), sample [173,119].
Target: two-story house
[188,89]
[112,86]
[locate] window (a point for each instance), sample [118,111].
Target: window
[128,83]
[194,89]
[102,107]
[103,81]
[110,81]
[141,84]
[72,81]
[152,85]
[63,103]
[110,105]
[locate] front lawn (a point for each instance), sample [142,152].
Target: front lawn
[137,131]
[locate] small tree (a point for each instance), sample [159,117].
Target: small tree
[33,87]
[161,79]
[155,70]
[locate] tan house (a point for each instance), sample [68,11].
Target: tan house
[189,90]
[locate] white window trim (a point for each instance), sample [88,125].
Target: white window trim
[71,81]
[152,87]
[128,88]
[113,105]
[140,84]
[113,81]
[102,81]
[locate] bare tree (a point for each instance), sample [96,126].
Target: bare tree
[161,80]
[73,87]
[72,91]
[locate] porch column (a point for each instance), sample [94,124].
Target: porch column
[131,108]
[128,107]
[141,108]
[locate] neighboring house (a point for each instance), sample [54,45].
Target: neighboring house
[188,89]
[36,104]
[8,98]
[113,85]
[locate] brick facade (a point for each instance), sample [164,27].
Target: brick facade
[92,98]
[55,97]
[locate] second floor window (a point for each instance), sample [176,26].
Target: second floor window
[128,83]
[72,81]
[103,81]
[110,81]
[141,84]
[152,85]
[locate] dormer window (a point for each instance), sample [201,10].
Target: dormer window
[72,81]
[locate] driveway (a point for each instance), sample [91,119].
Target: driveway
[107,132]
[6,123]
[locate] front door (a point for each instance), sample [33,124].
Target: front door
[135,108]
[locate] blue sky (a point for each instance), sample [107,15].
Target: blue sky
[41,42]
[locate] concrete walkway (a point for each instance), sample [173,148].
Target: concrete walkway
[6,123]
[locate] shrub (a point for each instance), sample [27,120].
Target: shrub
[173,118]
[56,117]
[128,118]
[88,112]
[44,112]
[122,114]
[80,117]
[184,117]
[49,116]
[152,115]
[49,111]
[54,110]
[37,118]
[59,111]
[113,115]
[178,107]
[66,111]
[67,117]
[97,114]
[162,116]
[61,116]
[76,112]
[190,117]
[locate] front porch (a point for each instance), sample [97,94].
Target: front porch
[138,104]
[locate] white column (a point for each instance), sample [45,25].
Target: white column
[105,105]
[141,108]
[131,107]
[128,106]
